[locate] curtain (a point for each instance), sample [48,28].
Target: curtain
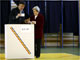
[5,10]
[53,16]
[70,17]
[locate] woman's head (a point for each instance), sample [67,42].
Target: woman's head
[36,10]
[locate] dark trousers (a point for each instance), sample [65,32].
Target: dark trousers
[37,47]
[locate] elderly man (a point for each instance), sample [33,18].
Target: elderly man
[17,15]
[38,20]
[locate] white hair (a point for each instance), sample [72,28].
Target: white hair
[36,8]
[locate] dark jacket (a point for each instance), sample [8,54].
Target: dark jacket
[14,20]
[38,26]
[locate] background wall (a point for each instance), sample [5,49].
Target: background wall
[61,26]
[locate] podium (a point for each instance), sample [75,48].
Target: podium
[19,41]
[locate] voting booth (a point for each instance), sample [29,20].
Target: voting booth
[19,41]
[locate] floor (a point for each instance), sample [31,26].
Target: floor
[52,54]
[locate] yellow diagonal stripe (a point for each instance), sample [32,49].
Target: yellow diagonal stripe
[20,40]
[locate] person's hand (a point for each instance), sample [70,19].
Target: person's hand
[33,22]
[18,15]
[27,20]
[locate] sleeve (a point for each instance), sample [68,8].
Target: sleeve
[41,21]
[12,17]
[32,18]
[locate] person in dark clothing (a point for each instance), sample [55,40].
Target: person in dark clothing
[17,15]
[17,3]
[38,20]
